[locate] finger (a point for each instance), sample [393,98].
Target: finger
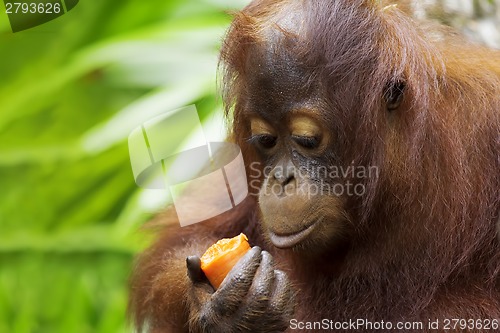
[201,290]
[236,284]
[195,272]
[262,285]
[283,297]
[270,298]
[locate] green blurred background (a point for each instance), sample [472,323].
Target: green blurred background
[71,91]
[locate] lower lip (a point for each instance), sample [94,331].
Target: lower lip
[290,240]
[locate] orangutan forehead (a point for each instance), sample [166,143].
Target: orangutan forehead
[269,63]
[275,61]
[277,82]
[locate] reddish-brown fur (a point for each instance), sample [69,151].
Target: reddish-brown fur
[425,243]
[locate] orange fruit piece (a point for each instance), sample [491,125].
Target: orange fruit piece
[220,258]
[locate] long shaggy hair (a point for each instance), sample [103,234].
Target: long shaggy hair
[428,222]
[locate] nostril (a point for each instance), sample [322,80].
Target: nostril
[283,180]
[287,181]
[284,177]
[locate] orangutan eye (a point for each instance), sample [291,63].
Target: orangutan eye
[264,141]
[306,141]
[263,135]
[394,94]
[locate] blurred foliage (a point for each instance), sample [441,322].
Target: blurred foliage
[71,91]
[479,20]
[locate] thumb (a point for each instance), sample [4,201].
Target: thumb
[195,272]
